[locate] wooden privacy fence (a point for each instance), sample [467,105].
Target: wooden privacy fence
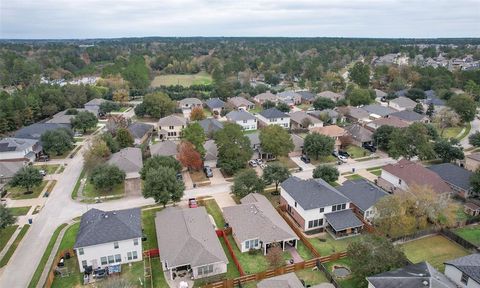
[457,239]
[224,234]
[51,274]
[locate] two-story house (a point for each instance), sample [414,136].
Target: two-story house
[109,238]
[243,118]
[302,120]
[273,116]
[190,103]
[316,205]
[170,127]
[464,271]
[16,149]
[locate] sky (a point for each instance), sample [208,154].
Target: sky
[60,19]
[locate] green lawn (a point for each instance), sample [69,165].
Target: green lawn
[214,210]
[77,184]
[89,191]
[232,271]
[304,106]
[357,152]
[286,161]
[61,169]
[354,177]
[19,211]
[468,127]
[63,155]
[50,169]
[14,245]
[434,249]
[348,282]
[185,80]
[74,277]
[376,172]
[6,233]
[251,264]
[148,225]
[331,246]
[471,234]
[312,277]
[19,192]
[46,254]
[453,132]
[303,251]
[257,109]
[375,168]
[323,160]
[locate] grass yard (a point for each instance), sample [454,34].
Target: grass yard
[61,169]
[50,169]
[470,233]
[74,277]
[198,176]
[185,80]
[19,211]
[348,282]
[251,264]
[354,177]
[374,168]
[357,152]
[19,192]
[303,251]
[376,172]
[89,191]
[77,185]
[46,254]
[311,277]
[148,225]
[257,109]
[304,106]
[323,160]
[232,271]
[6,234]
[274,199]
[285,161]
[451,132]
[465,132]
[14,245]
[434,249]
[331,246]
[214,210]
[63,155]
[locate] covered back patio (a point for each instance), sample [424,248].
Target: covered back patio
[343,224]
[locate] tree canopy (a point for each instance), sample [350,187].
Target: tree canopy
[104,177]
[57,141]
[27,177]
[194,134]
[246,182]
[316,145]
[162,185]
[464,105]
[326,172]
[84,120]
[157,105]
[275,140]
[234,148]
[158,161]
[275,173]
[360,74]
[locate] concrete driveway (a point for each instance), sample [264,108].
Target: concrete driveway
[301,164]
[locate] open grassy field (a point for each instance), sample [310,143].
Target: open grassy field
[434,249]
[471,234]
[183,80]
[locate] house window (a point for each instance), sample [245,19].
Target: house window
[244,121]
[334,208]
[322,209]
[115,245]
[135,241]
[118,258]
[344,206]
[399,181]
[170,127]
[84,263]
[464,278]
[134,254]
[103,260]
[111,259]
[295,204]
[129,255]
[251,244]
[207,269]
[80,251]
[315,223]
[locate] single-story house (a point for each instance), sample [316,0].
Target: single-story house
[164,148]
[410,276]
[215,105]
[402,103]
[210,126]
[211,153]
[140,132]
[289,280]
[243,118]
[36,130]
[331,95]
[298,143]
[170,127]
[7,170]
[257,225]
[273,116]
[363,195]
[240,103]
[377,111]
[190,103]
[187,242]
[94,105]
[322,208]
[290,98]
[264,97]
[464,271]
[390,121]
[298,119]
[109,238]
[307,97]
[410,116]
[455,176]
[129,160]
[330,116]
[360,135]
[472,161]
[333,131]
[471,209]
[401,176]
[355,114]
[17,149]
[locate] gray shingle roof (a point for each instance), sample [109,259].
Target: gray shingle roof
[95,102]
[343,219]
[164,148]
[129,160]
[404,102]
[360,133]
[256,218]
[312,193]
[408,115]
[289,280]
[240,101]
[453,174]
[273,113]
[139,129]
[98,227]
[215,103]
[187,236]
[211,150]
[411,276]
[378,110]
[362,193]
[299,116]
[172,120]
[307,95]
[469,265]
[190,102]
[380,93]
[16,144]
[8,169]
[36,130]
[331,95]
[210,125]
[239,115]
[255,138]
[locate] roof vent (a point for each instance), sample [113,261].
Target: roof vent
[425,283]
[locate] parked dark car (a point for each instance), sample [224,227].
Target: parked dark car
[343,153]
[208,171]
[369,147]
[179,176]
[305,159]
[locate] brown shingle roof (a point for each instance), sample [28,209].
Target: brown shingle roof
[332,131]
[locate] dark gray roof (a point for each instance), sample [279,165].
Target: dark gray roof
[378,110]
[215,103]
[139,129]
[129,160]
[10,168]
[164,148]
[273,113]
[360,133]
[239,115]
[408,115]
[98,227]
[362,193]
[210,125]
[404,102]
[411,276]
[469,265]
[343,219]
[289,280]
[16,144]
[453,174]
[36,130]
[307,95]
[312,193]
[254,138]
[431,97]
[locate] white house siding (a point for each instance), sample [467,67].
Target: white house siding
[243,247]
[455,275]
[172,132]
[284,122]
[248,125]
[93,254]
[393,180]
[218,268]
[15,154]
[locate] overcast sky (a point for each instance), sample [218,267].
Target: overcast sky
[312,18]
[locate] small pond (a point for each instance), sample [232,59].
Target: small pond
[341,271]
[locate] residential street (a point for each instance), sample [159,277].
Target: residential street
[475,127]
